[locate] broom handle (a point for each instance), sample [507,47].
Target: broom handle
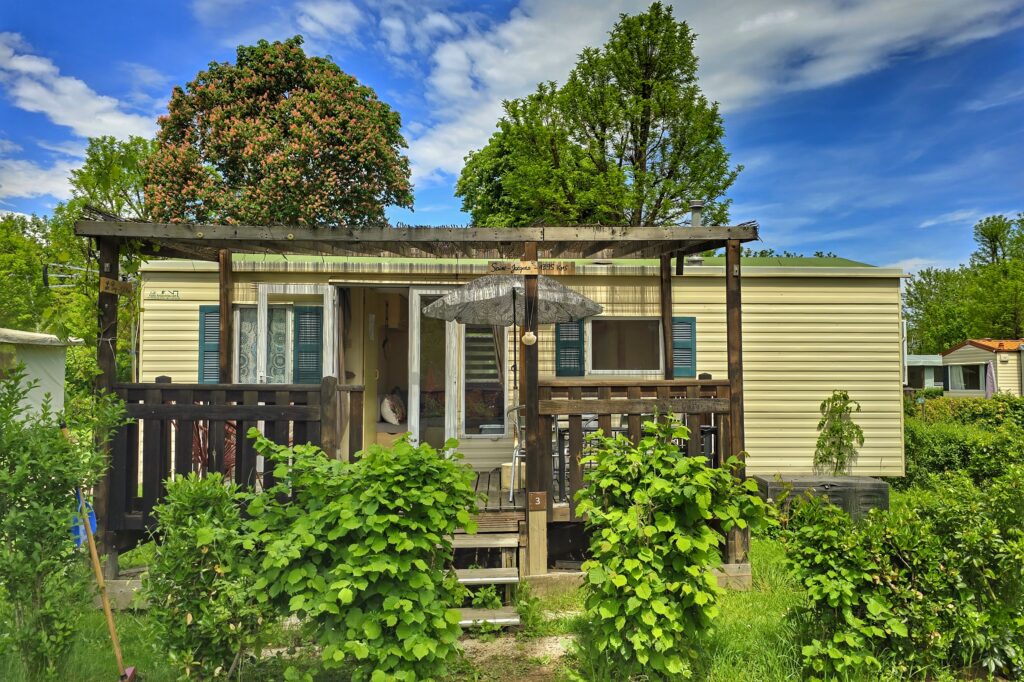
[102,585]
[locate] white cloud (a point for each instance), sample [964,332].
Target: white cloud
[965,215]
[73,148]
[748,53]
[913,265]
[1004,91]
[35,84]
[323,19]
[27,179]
[8,147]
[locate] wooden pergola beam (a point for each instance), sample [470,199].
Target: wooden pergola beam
[470,242]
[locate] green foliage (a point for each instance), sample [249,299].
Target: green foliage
[113,177]
[928,585]
[360,550]
[21,261]
[277,138]
[1000,409]
[530,610]
[838,435]
[656,519]
[200,582]
[42,577]
[628,139]
[944,307]
[980,451]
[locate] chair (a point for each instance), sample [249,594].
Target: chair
[518,445]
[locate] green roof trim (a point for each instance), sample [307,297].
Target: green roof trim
[780,261]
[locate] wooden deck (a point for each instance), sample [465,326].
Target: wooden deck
[489,483]
[497,514]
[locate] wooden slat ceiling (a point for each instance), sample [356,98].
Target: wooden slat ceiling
[174,240]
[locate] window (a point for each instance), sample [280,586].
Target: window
[966,377]
[294,345]
[278,345]
[484,380]
[915,377]
[625,345]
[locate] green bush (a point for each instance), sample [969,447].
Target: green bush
[43,579]
[203,606]
[360,551]
[936,582]
[1000,409]
[936,447]
[656,519]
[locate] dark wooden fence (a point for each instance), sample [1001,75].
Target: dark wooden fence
[571,408]
[179,428]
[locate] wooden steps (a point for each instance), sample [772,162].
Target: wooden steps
[505,616]
[485,540]
[488,576]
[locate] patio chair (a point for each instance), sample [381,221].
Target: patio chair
[518,445]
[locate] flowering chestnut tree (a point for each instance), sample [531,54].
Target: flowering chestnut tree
[277,137]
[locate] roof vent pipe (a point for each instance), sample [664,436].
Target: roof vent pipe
[696,206]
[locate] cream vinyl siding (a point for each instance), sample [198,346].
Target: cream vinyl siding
[806,332]
[1008,373]
[969,355]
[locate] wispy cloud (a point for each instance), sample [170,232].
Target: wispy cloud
[1005,91]
[35,84]
[964,215]
[914,265]
[21,178]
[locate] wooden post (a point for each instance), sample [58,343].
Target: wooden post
[666,314]
[538,471]
[738,542]
[227,337]
[330,417]
[106,358]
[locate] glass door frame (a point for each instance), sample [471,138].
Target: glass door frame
[451,360]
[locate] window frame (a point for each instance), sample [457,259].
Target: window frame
[588,340]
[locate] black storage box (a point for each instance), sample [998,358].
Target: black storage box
[853,494]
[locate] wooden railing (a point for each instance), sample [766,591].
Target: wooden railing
[179,428]
[571,408]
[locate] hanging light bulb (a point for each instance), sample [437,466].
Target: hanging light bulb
[529,338]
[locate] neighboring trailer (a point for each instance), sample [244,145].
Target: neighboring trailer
[810,326]
[43,358]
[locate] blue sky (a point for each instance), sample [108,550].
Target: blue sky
[875,129]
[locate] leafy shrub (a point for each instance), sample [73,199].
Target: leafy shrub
[936,447]
[360,550]
[998,410]
[933,583]
[838,435]
[200,582]
[43,579]
[657,519]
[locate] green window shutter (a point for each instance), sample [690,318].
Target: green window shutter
[309,345]
[209,344]
[684,347]
[569,358]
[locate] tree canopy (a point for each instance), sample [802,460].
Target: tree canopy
[628,139]
[984,299]
[277,137]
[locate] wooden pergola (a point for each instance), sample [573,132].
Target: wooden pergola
[217,242]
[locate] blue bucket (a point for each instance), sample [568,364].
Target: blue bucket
[77,527]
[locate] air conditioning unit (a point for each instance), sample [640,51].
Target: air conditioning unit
[856,495]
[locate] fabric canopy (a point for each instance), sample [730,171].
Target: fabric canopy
[500,300]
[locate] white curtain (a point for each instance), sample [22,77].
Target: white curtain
[956,378]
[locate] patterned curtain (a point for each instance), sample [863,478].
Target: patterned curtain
[277,346]
[248,337]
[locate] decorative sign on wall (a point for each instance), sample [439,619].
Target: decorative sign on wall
[507,267]
[164,295]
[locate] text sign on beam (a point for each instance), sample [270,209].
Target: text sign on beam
[113,286]
[504,267]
